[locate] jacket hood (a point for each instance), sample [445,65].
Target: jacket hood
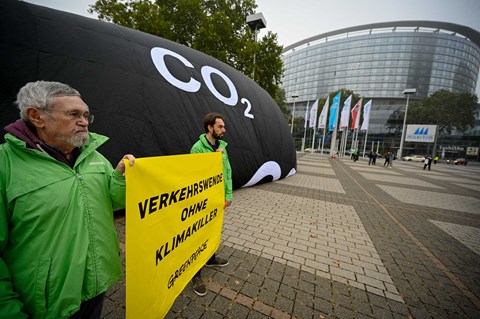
[22,131]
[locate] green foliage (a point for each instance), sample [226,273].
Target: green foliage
[446,109]
[281,101]
[217,28]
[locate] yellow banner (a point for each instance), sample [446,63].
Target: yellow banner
[174,215]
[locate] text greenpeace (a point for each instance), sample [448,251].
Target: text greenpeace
[158,58]
[186,264]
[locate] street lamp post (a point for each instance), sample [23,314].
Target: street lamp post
[294,96]
[407,92]
[256,22]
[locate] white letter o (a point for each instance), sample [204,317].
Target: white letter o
[206,75]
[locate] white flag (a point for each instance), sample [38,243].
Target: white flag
[366,115]
[313,114]
[322,120]
[345,116]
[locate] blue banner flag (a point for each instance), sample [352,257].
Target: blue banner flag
[332,123]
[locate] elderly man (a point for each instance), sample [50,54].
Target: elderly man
[58,245]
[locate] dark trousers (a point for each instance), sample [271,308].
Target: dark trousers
[199,273]
[90,309]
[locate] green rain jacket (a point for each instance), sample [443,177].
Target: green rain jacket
[203,146]
[58,243]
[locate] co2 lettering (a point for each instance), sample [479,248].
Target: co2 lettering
[158,58]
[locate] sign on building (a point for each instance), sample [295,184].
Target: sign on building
[472,151]
[421,133]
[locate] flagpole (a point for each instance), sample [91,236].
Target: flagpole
[339,153]
[365,144]
[341,144]
[313,139]
[334,140]
[304,135]
[354,137]
[323,138]
[346,142]
[305,127]
[314,130]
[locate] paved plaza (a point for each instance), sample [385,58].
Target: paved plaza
[342,239]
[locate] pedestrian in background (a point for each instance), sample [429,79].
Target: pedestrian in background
[370,157]
[355,155]
[387,159]
[59,250]
[391,159]
[427,162]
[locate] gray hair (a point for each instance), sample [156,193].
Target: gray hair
[41,95]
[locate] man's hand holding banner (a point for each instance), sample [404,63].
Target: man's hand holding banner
[174,221]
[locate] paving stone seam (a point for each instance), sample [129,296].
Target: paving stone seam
[458,283]
[249,302]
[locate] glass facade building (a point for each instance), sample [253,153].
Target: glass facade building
[379,61]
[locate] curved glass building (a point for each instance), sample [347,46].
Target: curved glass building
[378,61]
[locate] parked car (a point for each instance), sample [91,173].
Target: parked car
[460,161]
[414,158]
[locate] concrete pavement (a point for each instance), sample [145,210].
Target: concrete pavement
[344,240]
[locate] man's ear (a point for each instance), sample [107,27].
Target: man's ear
[36,117]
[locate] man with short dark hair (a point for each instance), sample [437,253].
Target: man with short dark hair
[59,250]
[212,141]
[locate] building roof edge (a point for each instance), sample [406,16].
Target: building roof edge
[468,32]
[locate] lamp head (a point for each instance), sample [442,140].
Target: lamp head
[409,91]
[256,21]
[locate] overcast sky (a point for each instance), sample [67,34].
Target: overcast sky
[295,20]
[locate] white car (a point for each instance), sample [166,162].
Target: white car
[414,158]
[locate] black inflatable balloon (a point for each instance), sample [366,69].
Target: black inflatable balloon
[148,94]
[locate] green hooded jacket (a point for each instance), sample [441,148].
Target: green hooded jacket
[58,243]
[203,146]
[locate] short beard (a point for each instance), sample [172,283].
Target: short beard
[79,140]
[218,137]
